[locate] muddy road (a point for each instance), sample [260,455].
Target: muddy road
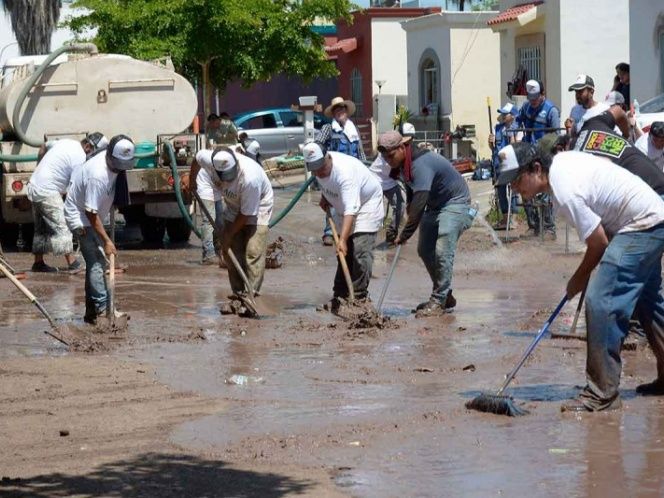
[299,403]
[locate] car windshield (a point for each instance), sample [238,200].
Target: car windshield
[655,104]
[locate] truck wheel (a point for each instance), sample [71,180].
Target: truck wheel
[8,235]
[152,230]
[178,230]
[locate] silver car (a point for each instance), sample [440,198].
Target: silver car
[278,130]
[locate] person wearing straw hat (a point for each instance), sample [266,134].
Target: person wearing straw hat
[621,220]
[248,201]
[341,135]
[46,189]
[439,204]
[89,199]
[348,186]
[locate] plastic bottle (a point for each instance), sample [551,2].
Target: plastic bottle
[637,108]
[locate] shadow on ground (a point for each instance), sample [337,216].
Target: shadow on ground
[162,475]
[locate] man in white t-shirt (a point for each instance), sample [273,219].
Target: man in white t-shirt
[355,193]
[584,88]
[248,202]
[199,180]
[391,188]
[652,143]
[47,186]
[621,220]
[89,199]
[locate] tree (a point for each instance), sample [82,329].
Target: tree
[33,23]
[217,40]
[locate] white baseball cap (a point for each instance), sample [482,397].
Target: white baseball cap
[120,152]
[615,98]
[225,165]
[533,89]
[408,129]
[204,157]
[314,156]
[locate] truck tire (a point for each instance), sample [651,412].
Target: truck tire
[153,230]
[178,230]
[8,235]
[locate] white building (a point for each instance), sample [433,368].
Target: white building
[555,40]
[453,66]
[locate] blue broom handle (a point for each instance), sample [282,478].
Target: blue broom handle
[537,339]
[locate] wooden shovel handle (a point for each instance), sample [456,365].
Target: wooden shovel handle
[342,259]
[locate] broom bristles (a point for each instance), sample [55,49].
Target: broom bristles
[495,403]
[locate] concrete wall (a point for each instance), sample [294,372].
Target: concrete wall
[474,77]
[646,19]
[595,37]
[388,57]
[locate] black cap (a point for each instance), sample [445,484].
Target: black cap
[212,117]
[582,81]
[657,129]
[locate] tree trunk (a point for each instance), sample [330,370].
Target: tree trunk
[207,88]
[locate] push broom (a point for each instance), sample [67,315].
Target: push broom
[502,404]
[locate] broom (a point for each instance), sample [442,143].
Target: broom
[502,404]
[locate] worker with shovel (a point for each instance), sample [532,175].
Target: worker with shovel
[439,203]
[47,186]
[355,193]
[621,220]
[248,201]
[89,199]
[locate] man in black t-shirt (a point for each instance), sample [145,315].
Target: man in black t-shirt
[597,137]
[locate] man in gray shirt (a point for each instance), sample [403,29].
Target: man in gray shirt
[438,201]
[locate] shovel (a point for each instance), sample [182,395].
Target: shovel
[389,278]
[115,322]
[249,302]
[342,259]
[56,334]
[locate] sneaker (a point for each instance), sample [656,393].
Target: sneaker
[91,317]
[654,388]
[75,267]
[550,235]
[432,308]
[328,240]
[450,302]
[209,261]
[42,267]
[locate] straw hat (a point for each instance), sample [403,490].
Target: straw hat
[337,101]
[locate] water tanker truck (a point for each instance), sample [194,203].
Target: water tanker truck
[76,91]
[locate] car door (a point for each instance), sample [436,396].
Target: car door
[263,126]
[293,122]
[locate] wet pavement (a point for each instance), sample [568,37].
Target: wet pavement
[380,412]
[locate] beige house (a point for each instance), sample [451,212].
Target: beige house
[453,66]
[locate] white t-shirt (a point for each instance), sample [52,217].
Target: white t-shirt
[205,188]
[92,188]
[645,145]
[381,169]
[352,189]
[595,110]
[590,190]
[52,175]
[250,193]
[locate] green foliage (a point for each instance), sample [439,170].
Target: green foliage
[401,116]
[246,40]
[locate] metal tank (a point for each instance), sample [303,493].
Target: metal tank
[108,93]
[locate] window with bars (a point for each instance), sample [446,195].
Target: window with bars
[356,91]
[530,58]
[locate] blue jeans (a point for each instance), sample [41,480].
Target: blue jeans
[628,279]
[96,294]
[207,230]
[439,234]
